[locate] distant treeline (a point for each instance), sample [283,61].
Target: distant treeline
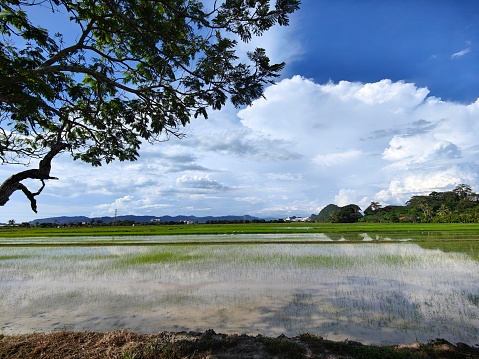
[236,221]
[94,223]
[461,205]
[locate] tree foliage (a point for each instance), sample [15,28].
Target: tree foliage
[347,214]
[335,214]
[127,72]
[372,208]
[325,214]
[459,205]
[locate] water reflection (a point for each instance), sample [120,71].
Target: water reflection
[370,292]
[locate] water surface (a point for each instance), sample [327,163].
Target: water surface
[379,293]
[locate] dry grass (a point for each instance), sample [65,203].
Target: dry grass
[124,344]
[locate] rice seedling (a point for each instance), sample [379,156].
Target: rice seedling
[371,292]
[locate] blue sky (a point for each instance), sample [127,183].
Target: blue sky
[378,102]
[414,41]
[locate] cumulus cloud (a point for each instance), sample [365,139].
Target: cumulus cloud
[306,145]
[424,182]
[398,95]
[368,136]
[345,197]
[407,150]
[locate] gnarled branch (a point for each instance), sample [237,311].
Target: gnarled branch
[14,183]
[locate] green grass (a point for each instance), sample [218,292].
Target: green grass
[351,349]
[158,257]
[304,346]
[321,261]
[470,248]
[15,256]
[337,231]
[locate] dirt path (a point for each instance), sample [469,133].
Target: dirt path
[124,344]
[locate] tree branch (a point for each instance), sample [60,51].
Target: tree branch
[69,50]
[13,183]
[84,70]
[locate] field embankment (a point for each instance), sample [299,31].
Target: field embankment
[167,345]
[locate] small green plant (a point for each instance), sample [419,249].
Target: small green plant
[129,355]
[283,346]
[356,350]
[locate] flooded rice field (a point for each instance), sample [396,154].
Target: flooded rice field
[381,293]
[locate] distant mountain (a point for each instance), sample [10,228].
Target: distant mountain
[139,219]
[61,220]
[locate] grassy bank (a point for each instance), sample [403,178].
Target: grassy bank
[124,344]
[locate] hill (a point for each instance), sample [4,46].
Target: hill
[325,214]
[139,219]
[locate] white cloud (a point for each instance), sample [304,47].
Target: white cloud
[305,146]
[376,132]
[285,176]
[397,96]
[128,205]
[424,182]
[275,41]
[345,197]
[199,182]
[407,150]
[460,53]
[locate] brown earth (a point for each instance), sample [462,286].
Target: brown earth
[124,344]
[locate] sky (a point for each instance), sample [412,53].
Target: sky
[379,101]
